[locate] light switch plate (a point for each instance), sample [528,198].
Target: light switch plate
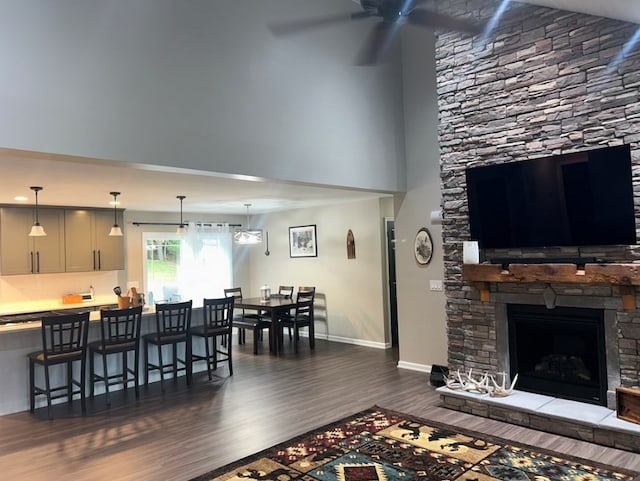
[435,285]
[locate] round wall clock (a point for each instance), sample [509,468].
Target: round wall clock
[423,248]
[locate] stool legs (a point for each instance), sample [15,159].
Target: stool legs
[67,388]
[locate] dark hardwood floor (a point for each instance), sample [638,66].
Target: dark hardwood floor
[188,431]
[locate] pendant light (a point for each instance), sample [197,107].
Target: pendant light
[247,235]
[182,229]
[116,231]
[36,229]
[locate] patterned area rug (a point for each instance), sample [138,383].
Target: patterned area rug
[382,445]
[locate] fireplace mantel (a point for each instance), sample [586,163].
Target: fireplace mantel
[623,275]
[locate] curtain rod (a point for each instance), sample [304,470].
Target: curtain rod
[218,224]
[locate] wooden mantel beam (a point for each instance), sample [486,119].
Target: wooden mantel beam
[624,275]
[612,274]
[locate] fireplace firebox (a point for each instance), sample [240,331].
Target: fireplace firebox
[558,352]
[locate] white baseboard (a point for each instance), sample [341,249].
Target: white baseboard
[411,366]
[348,340]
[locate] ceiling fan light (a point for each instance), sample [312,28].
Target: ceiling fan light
[37,230]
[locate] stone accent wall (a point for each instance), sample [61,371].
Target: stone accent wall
[540,84]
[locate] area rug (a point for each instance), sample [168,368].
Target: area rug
[382,445]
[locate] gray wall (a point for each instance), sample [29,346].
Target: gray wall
[200,84]
[421,315]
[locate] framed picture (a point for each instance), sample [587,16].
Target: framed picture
[302,241]
[423,248]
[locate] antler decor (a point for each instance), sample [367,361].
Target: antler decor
[501,390]
[467,382]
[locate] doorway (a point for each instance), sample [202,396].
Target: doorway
[391,279]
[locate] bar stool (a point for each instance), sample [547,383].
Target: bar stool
[218,315]
[173,322]
[64,341]
[120,334]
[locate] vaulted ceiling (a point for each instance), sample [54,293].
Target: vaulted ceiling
[77,181]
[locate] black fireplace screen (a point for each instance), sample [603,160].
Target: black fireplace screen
[559,352]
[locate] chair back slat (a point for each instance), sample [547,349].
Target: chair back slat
[64,334]
[173,318]
[235,292]
[304,309]
[286,291]
[218,313]
[120,325]
[306,293]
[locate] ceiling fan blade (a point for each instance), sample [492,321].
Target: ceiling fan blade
[377,44]
[299,26]
[431,19]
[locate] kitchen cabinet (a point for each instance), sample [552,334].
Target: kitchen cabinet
[88,245]
[21,254]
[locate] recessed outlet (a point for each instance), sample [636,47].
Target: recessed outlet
[435,285]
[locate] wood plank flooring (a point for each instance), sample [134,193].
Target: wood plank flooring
[188,431]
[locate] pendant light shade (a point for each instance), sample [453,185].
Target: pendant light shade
[115,231]
[182,229]
[247,235]
[36,229]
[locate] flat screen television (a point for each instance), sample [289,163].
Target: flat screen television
[577,199]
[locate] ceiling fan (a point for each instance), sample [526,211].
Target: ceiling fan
[392,13]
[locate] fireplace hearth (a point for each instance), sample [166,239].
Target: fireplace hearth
[558,352]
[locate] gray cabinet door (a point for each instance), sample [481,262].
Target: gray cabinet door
[49,250]
[21,254]
[88,244]
[110,250]
[15,245]
[78,239]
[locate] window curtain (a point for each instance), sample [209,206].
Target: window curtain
[205,267]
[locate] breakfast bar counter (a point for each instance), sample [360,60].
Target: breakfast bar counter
[19,339]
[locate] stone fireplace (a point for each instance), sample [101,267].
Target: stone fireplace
[489,332]
[543,82]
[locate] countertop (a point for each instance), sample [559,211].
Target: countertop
[8,308]
[53,305]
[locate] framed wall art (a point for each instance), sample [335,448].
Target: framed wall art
[423,248]
[302,241]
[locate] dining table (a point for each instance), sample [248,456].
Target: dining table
[271,307]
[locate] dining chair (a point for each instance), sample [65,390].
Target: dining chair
[307,292]
[243,320]
[119,334]
[64,341]
[173,322]
[302,317]
[218,322]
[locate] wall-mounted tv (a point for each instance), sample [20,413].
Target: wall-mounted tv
[576,199]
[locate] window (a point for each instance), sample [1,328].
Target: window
[187,267]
